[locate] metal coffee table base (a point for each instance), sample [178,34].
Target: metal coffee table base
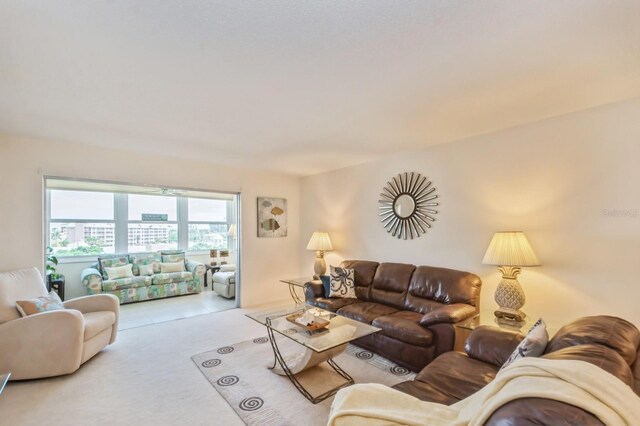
[293,365]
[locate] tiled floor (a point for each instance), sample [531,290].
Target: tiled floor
[160,310]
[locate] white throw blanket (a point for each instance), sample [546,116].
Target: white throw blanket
[577,383]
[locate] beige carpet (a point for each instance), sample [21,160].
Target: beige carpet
[241,375]
[146,377]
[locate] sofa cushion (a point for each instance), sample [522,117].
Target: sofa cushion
[364,271]
[124,271]
[111,261]
[391,283]
[404,326]
[366,311]
[331,303]
[167,268]
[96,322]
[430,287]
[450,378]
[601,356]
[172,256]
[152,258]
[172,277]
[121,283]
[614,333]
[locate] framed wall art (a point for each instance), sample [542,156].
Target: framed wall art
[272,217]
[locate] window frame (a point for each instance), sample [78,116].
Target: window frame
[121,223]
[49,221]
[185,213]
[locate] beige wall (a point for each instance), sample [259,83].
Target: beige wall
[23,163]
[552,179]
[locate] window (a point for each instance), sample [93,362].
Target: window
[207,224]
[153,223]
[81,223]
[90,223]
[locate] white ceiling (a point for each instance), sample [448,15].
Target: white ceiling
[305,86]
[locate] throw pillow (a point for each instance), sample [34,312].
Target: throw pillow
[145,269]
[50,302]
[342,283]
[125,271]
[171,267]
[111,261]
[172,256]
[533,344]
[326,283]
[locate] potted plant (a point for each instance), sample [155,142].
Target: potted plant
[52,264]
[54,279]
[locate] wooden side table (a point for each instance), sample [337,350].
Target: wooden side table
[56,284]
[212,269]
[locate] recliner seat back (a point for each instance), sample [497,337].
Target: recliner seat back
[432,287]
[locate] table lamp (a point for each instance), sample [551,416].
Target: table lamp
[213,254]
[510,251]
[224,254]
[233,230]
[320,242]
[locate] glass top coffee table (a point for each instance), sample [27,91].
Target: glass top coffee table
[4,378]
[317,346]
[296,282]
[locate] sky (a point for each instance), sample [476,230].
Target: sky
[100,206]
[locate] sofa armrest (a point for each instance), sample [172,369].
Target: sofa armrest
[92,279]
[492,344]
[448,314]
[96,303]
[42,345]
[196,268]
[313,289]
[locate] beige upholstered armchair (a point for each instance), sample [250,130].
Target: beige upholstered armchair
[55,342]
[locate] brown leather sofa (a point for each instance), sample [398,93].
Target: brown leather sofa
[610,343]
[415,307]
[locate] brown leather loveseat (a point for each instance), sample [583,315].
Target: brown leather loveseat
[415,307]
[610,343]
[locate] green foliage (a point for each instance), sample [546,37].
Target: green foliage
[95,246]
[52,263]
[81,251]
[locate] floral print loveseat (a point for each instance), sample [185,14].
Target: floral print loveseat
[141,287]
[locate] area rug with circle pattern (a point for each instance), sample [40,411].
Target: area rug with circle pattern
[241,374]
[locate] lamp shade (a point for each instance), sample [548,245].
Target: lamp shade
[510,249]
[320,241]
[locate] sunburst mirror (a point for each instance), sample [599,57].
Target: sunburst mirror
[407,205]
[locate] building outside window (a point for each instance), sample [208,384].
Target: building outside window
[88,223]
[152,223]
[81,223]
[207,220]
